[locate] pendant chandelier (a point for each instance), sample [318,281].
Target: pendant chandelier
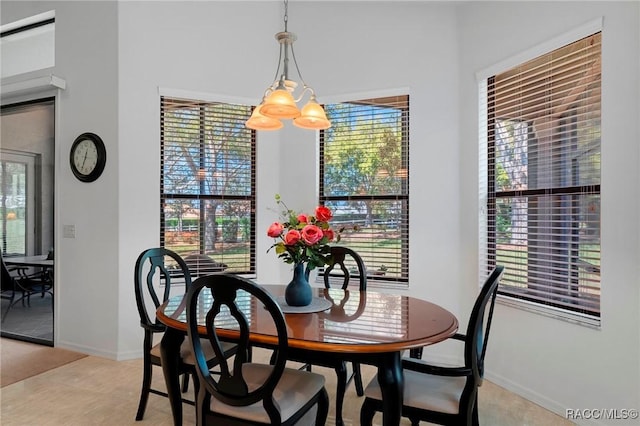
[278,101]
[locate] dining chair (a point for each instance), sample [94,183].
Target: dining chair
[347,259]
[350,263]
[20,287]
[248,392]
[152,276]
[439,394]
[201,264]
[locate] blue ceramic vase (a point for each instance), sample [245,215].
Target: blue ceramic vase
[298,292]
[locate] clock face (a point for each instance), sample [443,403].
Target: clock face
[88,157]
[85,157]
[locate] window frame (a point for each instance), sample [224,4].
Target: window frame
[201,197]
[487,182]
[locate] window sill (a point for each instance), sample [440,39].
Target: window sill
[550,311]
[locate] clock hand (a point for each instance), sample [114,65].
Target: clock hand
[84,159]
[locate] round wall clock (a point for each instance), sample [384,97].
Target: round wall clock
[88,157]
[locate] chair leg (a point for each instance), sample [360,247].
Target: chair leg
[323,408]
[415,353]
[6,312]
[474,414]
[357,378]
[185,382]
[146,386]
[202,405]
[196,384]
[10,299]
[341,372]
[367,412]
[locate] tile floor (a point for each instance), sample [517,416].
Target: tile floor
[32,322]
[98,391]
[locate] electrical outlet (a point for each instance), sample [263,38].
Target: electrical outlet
[68,231]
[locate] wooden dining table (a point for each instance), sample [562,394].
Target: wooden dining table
[368,327]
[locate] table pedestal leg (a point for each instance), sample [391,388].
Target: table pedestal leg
[170,356]
[391,382]
[341,373]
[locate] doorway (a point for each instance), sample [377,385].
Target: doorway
[27,209]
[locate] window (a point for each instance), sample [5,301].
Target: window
[16,180]
[208,182]
[364,179]
[543,182]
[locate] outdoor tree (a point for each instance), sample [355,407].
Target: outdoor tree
[512,139]
[208,162]
[363,155]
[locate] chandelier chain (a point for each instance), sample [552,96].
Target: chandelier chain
[286,14]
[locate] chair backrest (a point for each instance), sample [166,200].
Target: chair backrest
[479,325]
[200,264]
[153,262]
[232,293]
[341,256]
[7,280]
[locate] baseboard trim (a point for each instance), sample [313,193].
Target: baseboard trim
[86,350]
[537,398]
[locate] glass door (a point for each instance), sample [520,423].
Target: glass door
[27,217]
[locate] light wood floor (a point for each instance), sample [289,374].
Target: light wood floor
[98,391]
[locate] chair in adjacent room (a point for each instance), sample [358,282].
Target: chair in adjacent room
[445,395]
[18,288]
[8,289]
[248,392]
[152,274]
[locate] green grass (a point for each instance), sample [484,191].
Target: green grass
[515,259]
[15,236]
[368,242]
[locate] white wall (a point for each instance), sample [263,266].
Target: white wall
[555,363]
[228,49]
[27,51]
[86,273]
[116,57]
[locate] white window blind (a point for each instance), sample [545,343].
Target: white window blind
[208,183]
[364,179]
[543,178]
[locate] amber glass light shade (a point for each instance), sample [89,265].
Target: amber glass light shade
[257,121]
[280,104]
[312,116]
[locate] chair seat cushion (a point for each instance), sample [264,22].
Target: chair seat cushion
[187,355]
[426,391]
[293,391]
